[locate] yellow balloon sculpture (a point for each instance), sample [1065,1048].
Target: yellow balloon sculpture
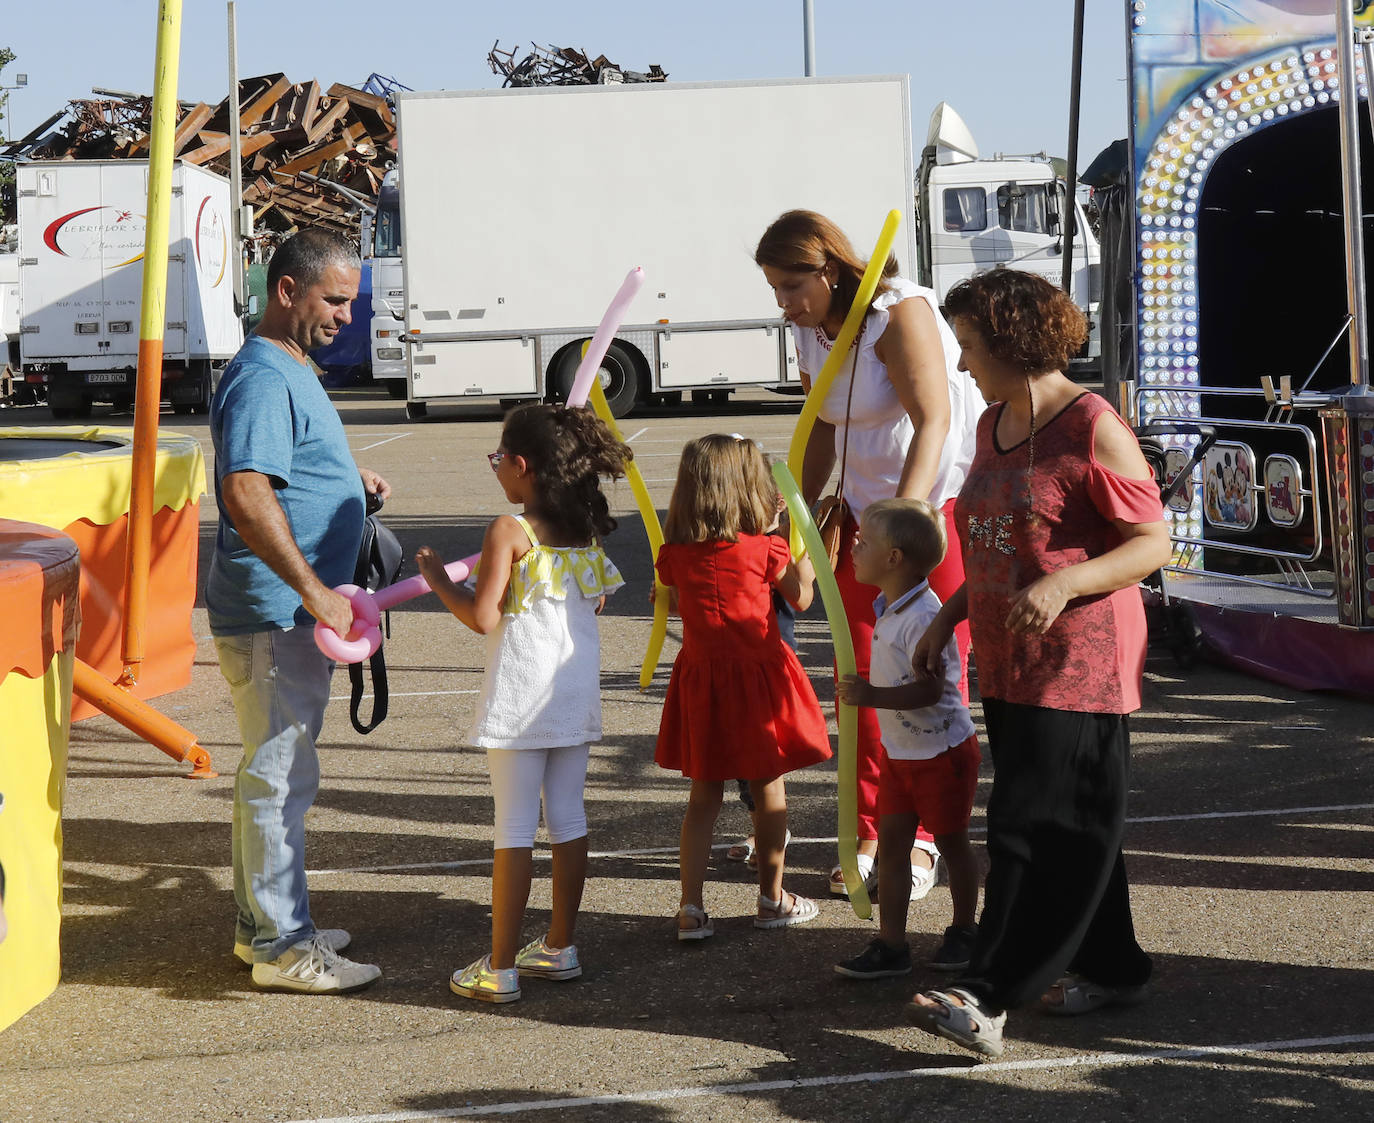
[848,825]
[647,511]
[839,352]
[805,537]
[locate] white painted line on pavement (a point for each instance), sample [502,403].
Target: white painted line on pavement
[1085,1060]
[1251,814]
[378,444]
[654,851]
[631,438]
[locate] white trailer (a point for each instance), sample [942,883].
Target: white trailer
[522,210]
[81,238]
[974,214]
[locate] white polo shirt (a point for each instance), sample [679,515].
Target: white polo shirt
[927,732]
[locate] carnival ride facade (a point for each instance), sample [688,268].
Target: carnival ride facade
[1250,322]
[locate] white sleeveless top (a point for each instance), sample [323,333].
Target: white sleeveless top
[542,686]
[880,430]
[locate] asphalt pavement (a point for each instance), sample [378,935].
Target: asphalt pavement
[1250,851]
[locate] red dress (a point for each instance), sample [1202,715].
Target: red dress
[739,705]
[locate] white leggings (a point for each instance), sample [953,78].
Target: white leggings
[517,777]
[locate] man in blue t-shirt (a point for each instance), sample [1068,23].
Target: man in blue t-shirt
[291,504]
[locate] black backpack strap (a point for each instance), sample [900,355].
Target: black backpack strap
[380,693]
[380,558]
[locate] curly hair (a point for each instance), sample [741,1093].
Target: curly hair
[724,489]
[568,450]
[1022,318]
[806,242]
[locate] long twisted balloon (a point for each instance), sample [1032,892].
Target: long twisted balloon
[805,537]
[848,825]
[649,513]
[839,352]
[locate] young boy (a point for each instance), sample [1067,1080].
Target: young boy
[929,771]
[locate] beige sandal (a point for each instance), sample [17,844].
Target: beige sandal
[703,928]
[772,914]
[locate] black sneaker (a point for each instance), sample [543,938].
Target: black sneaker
[877,961]
[957,948]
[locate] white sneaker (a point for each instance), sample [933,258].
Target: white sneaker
[336,938]
[312,966]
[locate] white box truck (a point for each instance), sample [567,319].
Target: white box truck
[974,214]
[81,238]
[522,210]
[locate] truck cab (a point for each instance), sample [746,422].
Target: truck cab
[381,239]
[974,214]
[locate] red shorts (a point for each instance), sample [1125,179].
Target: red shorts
[939,791]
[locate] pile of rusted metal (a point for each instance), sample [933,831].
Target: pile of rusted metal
[299,143]
[563,66]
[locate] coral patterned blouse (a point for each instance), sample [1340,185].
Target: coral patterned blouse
[1092,657]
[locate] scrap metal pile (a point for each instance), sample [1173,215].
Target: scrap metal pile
[563,66]
[297,140]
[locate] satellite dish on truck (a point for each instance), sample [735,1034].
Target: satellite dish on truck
[950,137]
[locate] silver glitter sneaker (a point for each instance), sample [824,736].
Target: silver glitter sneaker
[539,961]
[482,981]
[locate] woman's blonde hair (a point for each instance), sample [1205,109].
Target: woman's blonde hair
[806,242]
[724,489]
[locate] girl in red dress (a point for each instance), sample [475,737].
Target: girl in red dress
[739,703]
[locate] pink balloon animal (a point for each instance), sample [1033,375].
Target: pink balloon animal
[365,636]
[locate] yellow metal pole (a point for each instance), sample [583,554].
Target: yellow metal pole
[148,393]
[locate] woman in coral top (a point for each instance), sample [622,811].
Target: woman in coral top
[1060,518]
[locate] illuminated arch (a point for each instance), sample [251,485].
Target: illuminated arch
[1229,106]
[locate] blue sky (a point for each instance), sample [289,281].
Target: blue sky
[1003,64]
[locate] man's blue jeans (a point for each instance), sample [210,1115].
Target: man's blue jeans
[279,681]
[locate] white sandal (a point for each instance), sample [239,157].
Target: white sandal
[772,914]
[704,928]
[964,1022]
[867,864]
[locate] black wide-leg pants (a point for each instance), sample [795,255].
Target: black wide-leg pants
[1056,897]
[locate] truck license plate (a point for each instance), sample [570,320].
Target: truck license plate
[105,376]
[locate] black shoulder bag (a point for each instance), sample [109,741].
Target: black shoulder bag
[380,559]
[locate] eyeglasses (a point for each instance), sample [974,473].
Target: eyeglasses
[495,458]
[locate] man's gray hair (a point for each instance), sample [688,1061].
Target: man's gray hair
[306,255]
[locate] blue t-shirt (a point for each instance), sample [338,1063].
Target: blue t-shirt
[272,415]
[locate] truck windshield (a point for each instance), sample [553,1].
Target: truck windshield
[386,230]
[1024,207]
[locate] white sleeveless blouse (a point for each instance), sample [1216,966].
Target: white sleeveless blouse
[880,430]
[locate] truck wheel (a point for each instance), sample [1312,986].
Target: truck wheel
[398,388]
[416,410]
[619,376]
